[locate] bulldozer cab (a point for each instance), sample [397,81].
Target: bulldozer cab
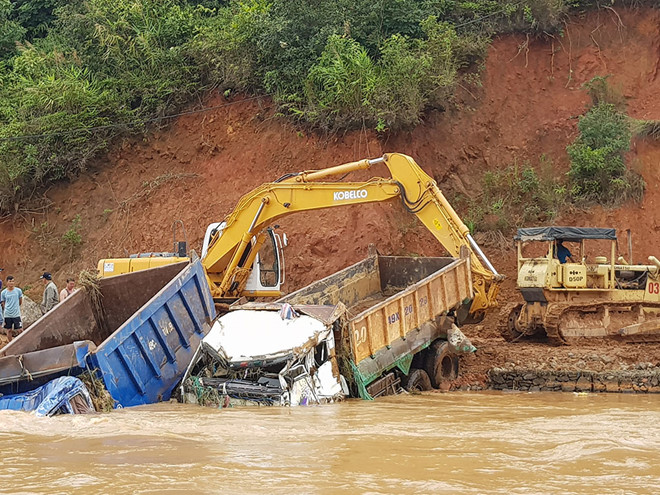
[557,258]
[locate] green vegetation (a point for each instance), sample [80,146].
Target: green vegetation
[646,128]
[347,88]
[598,172]
[515,196]
[76,75]
[72,239]
[90,72]
[43,233]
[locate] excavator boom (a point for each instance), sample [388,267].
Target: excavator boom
[231,250]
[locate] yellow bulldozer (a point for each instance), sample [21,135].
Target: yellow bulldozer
[575,286]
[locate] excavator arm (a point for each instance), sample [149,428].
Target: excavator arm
[232,251]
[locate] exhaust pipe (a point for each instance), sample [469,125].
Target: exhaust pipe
[630,256]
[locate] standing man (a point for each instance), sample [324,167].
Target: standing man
[51,297]
[68,289]
[11,300]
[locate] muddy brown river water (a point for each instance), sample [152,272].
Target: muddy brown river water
[491,443]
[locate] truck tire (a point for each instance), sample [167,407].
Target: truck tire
[417,381]
[440,364]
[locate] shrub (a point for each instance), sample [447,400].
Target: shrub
[72,239]
[598,171]
[225,47]
[348,88]
[646,128]
[401,95]
[490,16]
[49,99]
[340,86]
[11,31]
[36,16]
[600,91]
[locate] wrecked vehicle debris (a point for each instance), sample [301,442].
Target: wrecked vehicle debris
[266,356]
[63,395]
[369,330]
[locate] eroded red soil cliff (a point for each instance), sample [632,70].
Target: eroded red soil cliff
[197,169]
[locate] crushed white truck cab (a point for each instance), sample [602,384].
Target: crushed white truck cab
[266,356]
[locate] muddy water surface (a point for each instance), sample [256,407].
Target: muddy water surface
[441,443]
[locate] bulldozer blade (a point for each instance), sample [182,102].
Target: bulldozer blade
[647,331]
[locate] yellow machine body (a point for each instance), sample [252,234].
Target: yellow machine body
[596,295]
[232,246]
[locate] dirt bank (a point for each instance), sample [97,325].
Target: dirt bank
[197,169]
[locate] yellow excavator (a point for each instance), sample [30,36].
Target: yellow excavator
[240,262]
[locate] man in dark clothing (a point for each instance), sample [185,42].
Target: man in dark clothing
[51,296]
[562,252]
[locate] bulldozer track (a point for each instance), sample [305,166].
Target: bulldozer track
[552,321]
[557,311]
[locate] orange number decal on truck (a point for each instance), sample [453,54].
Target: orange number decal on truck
[654,288]
[360,336]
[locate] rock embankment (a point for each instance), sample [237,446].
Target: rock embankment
[595,365]
[645,379]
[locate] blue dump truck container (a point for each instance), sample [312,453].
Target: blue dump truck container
[139,335]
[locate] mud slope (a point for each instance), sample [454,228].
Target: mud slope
[197,169]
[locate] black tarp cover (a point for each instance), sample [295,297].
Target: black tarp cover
[570,234]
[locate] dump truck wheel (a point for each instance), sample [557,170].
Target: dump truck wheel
[417,381]
[441,365]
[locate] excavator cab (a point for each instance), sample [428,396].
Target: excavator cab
[268,269]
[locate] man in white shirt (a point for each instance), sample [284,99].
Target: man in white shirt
[68,289]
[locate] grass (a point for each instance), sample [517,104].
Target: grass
[514,196]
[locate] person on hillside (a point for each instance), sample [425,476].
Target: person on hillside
[69,289]
[562,253]
[11,300]
[51,296]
